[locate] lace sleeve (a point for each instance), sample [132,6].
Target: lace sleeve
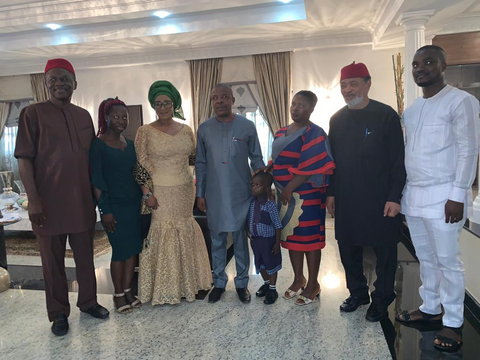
[140,171]
[191,157]
[141,149]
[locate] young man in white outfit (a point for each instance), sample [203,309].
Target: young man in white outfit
[441,161]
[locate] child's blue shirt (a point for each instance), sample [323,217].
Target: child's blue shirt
[263,218]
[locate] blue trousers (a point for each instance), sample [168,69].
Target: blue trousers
[219,258]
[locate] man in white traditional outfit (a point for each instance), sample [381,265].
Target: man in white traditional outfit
[441,161]
[225,143]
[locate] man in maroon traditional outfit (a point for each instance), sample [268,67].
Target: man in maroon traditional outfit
[52,149]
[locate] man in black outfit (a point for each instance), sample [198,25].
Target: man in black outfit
[364,195]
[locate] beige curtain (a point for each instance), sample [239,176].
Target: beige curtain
[204,75]
[4,110]
[6,155]
[272,73]
[39,90]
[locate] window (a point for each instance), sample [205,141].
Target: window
[247,105]
[8,141]
[9,137]
[264,134]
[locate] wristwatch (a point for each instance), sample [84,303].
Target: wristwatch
[147,195]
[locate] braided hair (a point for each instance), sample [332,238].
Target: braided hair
[103,111]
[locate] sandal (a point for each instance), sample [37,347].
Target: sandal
[121,303]
[303,300]
[290,294]
[132,299]
[448,339]
[418,316]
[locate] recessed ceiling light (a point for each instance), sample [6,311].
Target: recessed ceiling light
[168,29]
[285,1]
[162,14]
[52,26]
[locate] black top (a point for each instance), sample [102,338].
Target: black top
[368,150]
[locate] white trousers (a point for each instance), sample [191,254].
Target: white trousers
[441,270]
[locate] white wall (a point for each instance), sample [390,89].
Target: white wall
[131,85]
[238,68]
[318,70]
[15,87]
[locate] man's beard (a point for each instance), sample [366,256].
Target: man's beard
[357,100]
[425,83]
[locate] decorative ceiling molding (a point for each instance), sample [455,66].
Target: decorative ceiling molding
[151,26]
[32,15]
[415,19]
[161,55]
[124,32]
[383,18]
[38,11]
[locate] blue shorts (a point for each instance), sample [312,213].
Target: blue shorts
[264,258]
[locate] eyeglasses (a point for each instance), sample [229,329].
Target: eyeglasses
[165,104]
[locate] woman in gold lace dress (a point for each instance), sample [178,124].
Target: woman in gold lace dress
[174,262]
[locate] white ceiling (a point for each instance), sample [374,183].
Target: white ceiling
[124,32]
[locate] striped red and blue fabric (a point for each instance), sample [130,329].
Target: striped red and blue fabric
[306,155]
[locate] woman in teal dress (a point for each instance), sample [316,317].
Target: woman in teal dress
[112,161]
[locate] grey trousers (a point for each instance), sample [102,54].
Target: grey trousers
[219,258]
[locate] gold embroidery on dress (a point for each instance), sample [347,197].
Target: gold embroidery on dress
[175,265]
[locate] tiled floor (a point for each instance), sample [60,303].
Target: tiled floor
[225,330]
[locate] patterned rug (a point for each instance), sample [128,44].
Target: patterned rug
[24,243]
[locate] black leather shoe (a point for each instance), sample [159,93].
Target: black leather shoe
[60,325]
[262,291]
[353,302]
[270,297]
[215,294]
[376,312]
[244,295]
[97,311]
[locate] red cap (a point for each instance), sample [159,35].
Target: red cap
[59,63]
[354,71]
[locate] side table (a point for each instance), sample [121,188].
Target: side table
[6,220]
[3,250]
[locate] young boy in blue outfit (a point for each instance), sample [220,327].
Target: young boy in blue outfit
[264,227]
